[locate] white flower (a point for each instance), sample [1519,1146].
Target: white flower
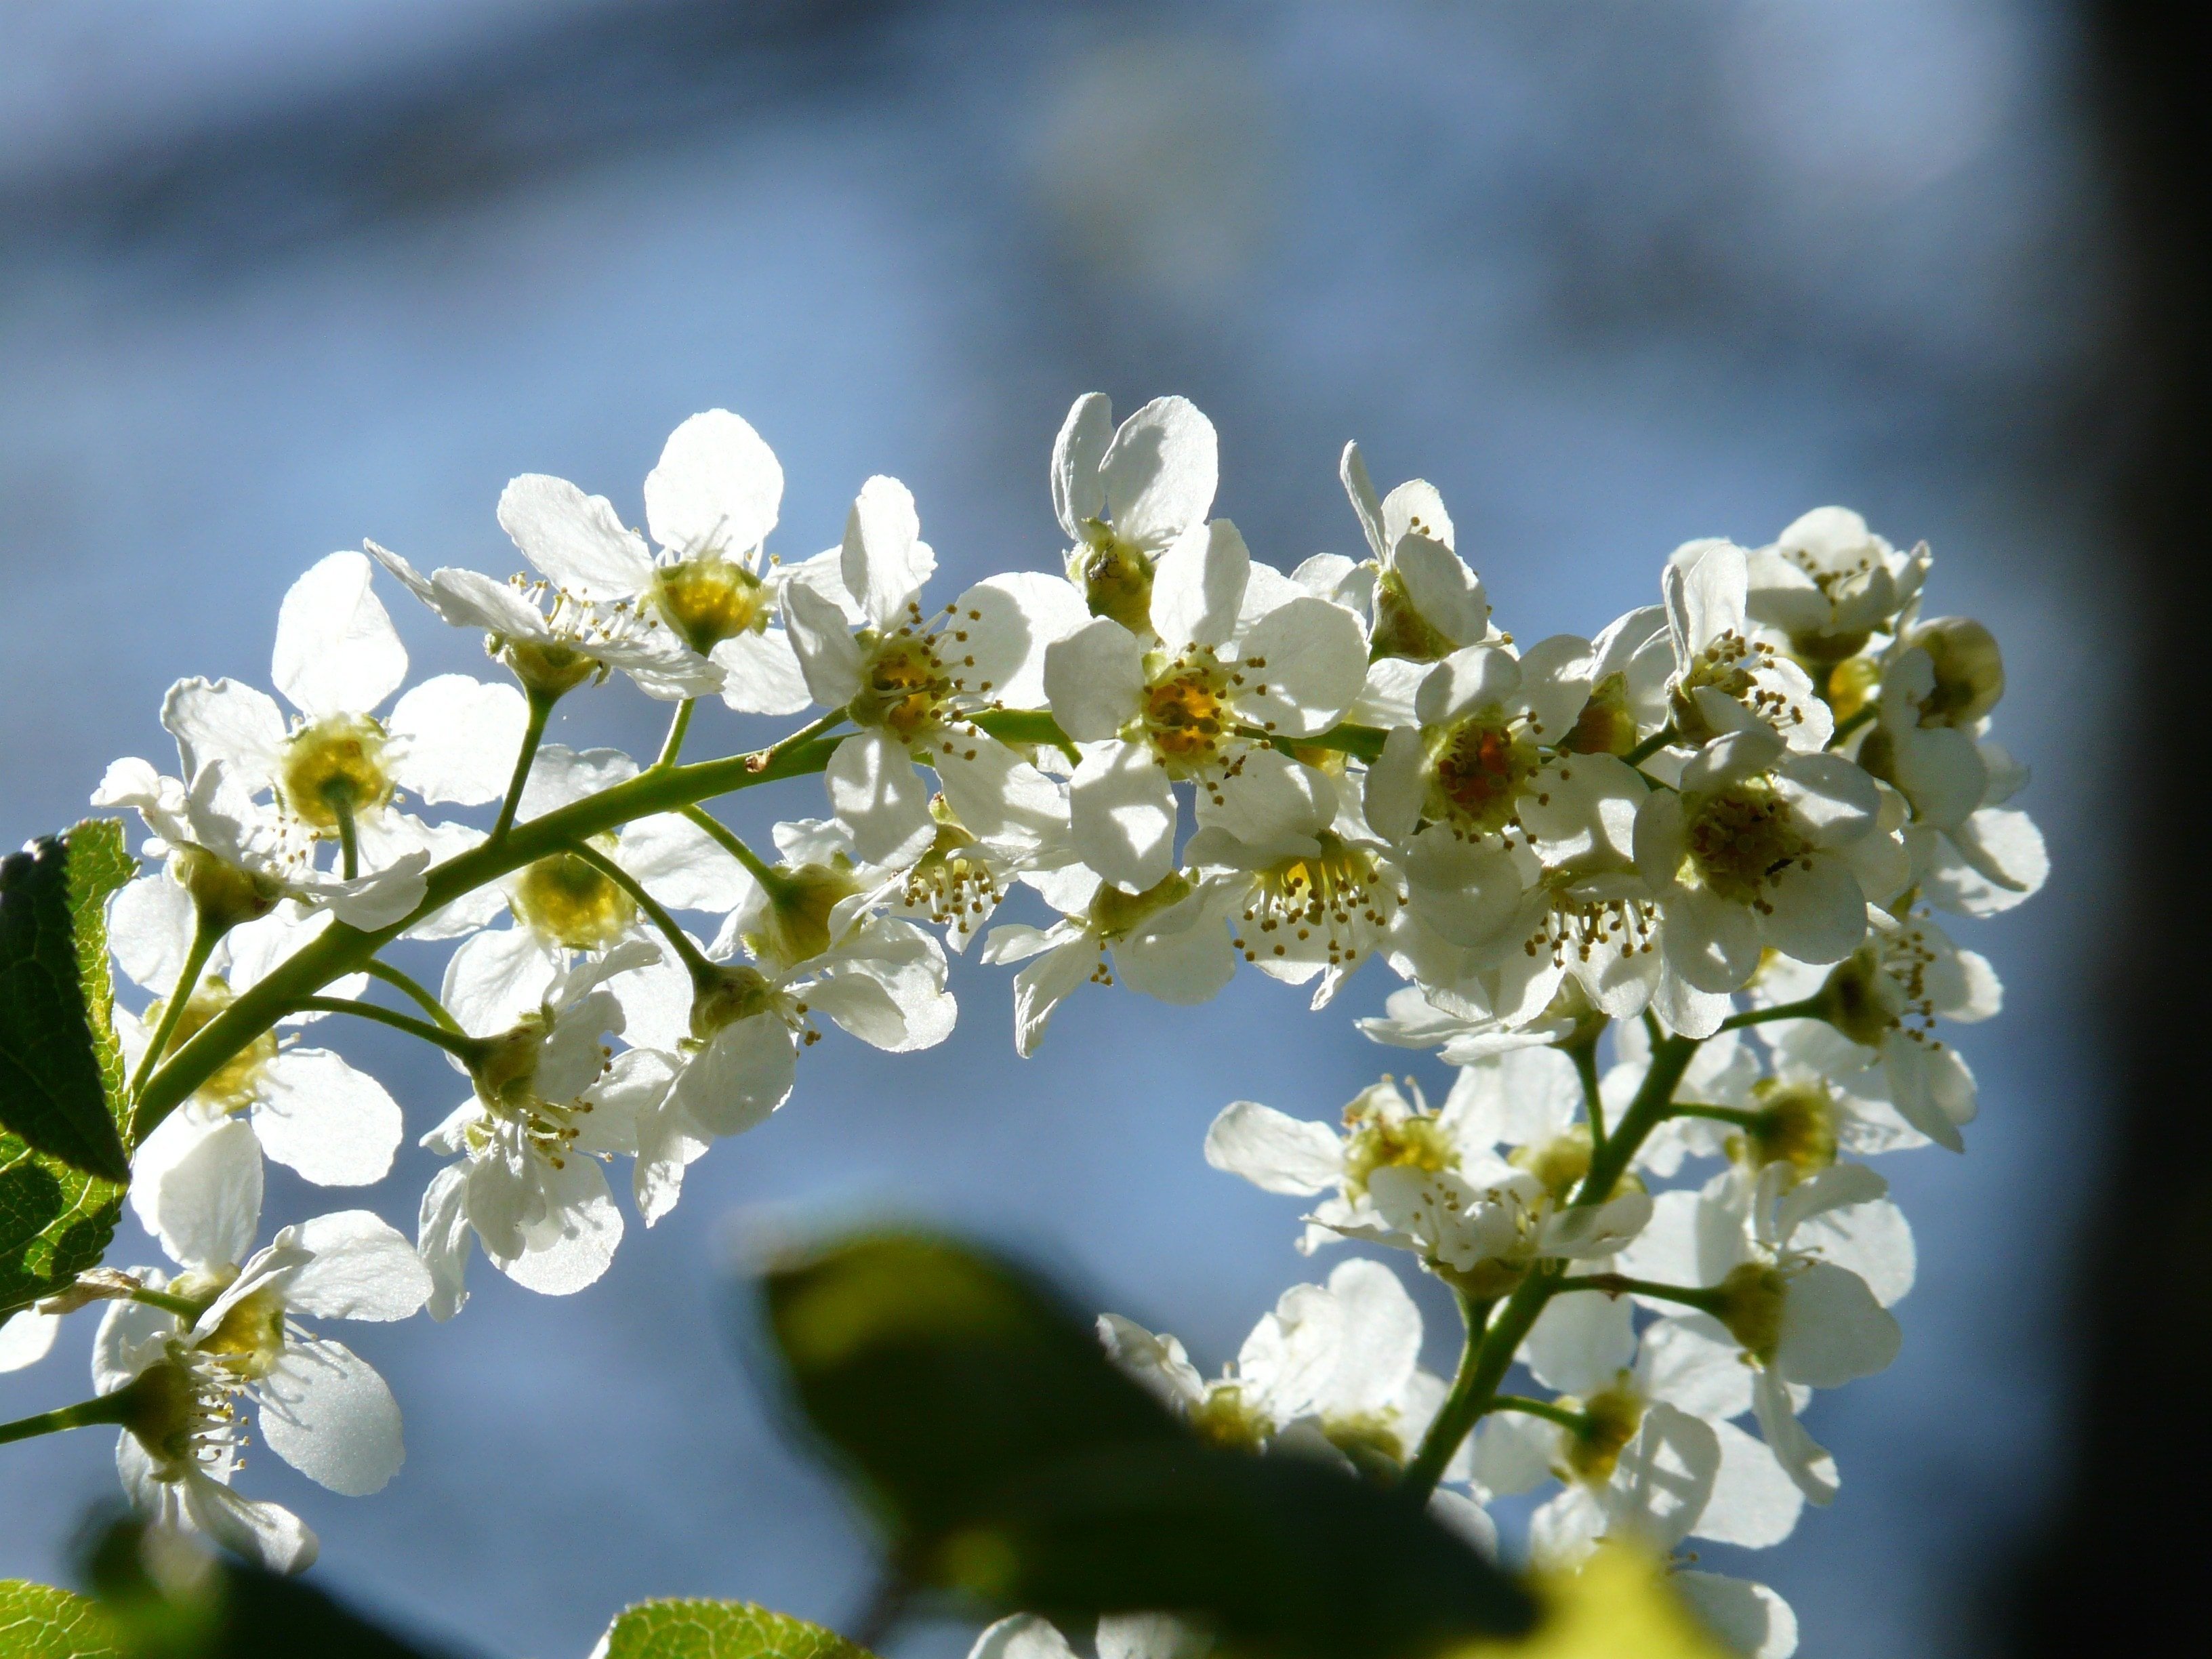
[1120,1635]
[710,503]
[1433,1182]
[27,1336]
[1725,679]
[1828,583]
[1220,685]
[240,860]
[1309,889]
[1747,1617]
[550,1107]
[1427,603]
[1801,1274]
[1124,496]
[1759,848]
[311,1111]
[1411,1020]
[335,770]
[321,1408]
[1888,997]
[1167,942]
[913,680]
[1335,1370]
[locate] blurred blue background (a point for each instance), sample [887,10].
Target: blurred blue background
[274,277]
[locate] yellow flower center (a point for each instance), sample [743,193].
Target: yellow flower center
[1377,1142]
[236,1083]
[1400,631]
[567,901]
[335,765]
[1186,715]
[1478,768]
[1749,1302]
[708,600]
[1606,725]
[1223,1418]
[1559,1163]
[1741,839]
[903,688]
[251,1338]
[1610,1420]
[1795,1125]
[1969,671]
[1337,891]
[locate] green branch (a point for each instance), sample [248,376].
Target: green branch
[692,956]
[340,950]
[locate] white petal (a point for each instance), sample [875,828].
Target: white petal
[1873,1240]
[496,978]
[1818,913]
[1094,679]
[1803,1459]
[1150,1636]
[1694,1363]
[1465,1519]
[1351,469]
[1581,1342]
[1513,1453]
[1754,1503]
[315,1114]
[149,927]
[443,1239]
[1832,1329]
[327,1413]
[682,865]
[561,777]
[1712,943]
[1478,678]
[131,1336]
[1594,1230]
[460,738]
[874,789]
[1197,586]
[1009,621]
[1043,983]
[267,1534]
[885,560]
[1395,788]
[1304,662]
[576,540]
[716,488]
[828,656]
[1122,816]
[761,673]
[337,651]
[1079,494]
[229,722]
[1275,1151]
[1187,966]
[1160,471]
[741,1076]
[1273,806]
[207,1205]
[1749,1619]
[364,1268]
[25,1337]
[1380,1342]
[1665,1478]
[1024,1635]
[1446,594]
[571,1245]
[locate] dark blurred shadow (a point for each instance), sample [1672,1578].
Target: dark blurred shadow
[2122,1570]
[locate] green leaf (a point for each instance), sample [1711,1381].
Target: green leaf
[1012,1461]
[718,1629]
[38,1621]
[62,1106]
[61,1072]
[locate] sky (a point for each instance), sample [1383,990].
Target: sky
[274,279]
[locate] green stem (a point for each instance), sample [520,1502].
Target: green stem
[205,938]
[1735,1115]
[1574,1421]
[1489,1355]
[1621,1284]
[1806,1008]
[465,1049]
[1851,723]
[340,950]
[1023,726]
[1651,745]
[726,839]
[1585,1055]
[101,1408]
[340,804]
[541,710]
[674,742]
[1365,742]
[693,958]
[423,1000]
[183,1307]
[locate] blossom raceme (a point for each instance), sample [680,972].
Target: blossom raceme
[1661,896]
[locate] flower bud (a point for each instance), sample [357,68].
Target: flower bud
[1401,629]
[793,924]
[1116,914]
[547,671]
[1749,1302]
[161,1408]
[722,994]
[1610,1420]
[1607,725]
[570,901]
[334,768]
[1116,578]
[1969,669]
[1860,1000]
[504,1068]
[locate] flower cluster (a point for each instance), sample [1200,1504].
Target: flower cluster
[1662,894]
